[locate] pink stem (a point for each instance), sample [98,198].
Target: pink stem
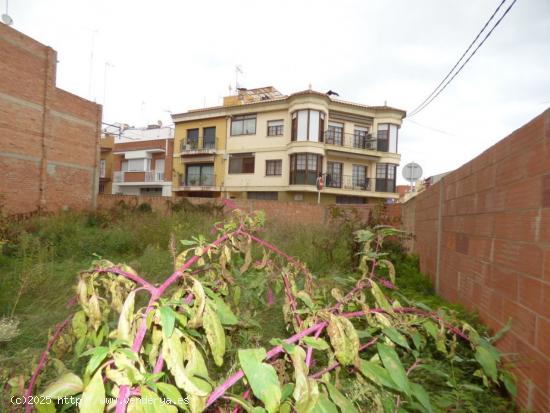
[310,349]
[333,366]
[136,278]
[222,388]
[43,359]
[159,365]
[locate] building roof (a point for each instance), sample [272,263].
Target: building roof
[275,96]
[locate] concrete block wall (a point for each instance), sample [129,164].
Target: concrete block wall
[49,138]
[483,235]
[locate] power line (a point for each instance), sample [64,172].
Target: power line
[436,92]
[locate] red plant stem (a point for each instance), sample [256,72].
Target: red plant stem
[134,277]
[310,349]
[159,364]
[333,366]
[43,359]
[292,300]
[222,388]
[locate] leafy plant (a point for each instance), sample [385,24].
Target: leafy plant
[178,345]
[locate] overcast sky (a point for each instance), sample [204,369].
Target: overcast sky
[169,55]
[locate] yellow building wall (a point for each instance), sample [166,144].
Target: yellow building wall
[180,133]
[107,143]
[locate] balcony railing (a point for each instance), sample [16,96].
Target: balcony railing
[138,176]
[198,145]
[205,180]
[356,183]
[353,140]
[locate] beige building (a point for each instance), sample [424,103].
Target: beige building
[277,146]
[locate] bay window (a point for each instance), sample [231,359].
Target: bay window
[385,177]
[387,137]
[308,125]
[305,168]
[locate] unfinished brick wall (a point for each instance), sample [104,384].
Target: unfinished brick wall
[483,235]
[284,212]
[49,138]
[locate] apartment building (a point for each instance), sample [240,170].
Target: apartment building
[274,146]
[106,163]
[142,161]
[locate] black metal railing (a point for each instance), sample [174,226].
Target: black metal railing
[359,183]
[203,180]
[337,137]
[199,144]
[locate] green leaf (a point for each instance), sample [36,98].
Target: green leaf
[241,402]
[67,385]
[226,315]
[79,325]
[262,377]
[167,320]
[343,402]
[173,394]
[99,354]
[396,337]
[214,334]
[324,405]
[376,373]
[288,389]
[306,390]
[509,381]
[45,406]
[393,365]
[154,404]
[93,397]
[316,343]
[487,362]
[422,396]
[380,299]
[343,338]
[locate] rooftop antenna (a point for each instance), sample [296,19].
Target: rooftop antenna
[238,69]
[6,19]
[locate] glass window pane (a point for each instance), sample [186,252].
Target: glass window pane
[314,125]
[393,139]
[236,127]
[302,125]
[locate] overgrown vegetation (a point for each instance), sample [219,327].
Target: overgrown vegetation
[235,297]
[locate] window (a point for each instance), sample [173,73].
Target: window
[192,139]
[275,127]
[359,177]
[150,191]
[335,133]
[243,125]
[308,125]
[241,163]
[269,196]
[102,168]
[102,187]
[305,168]
[274,167]
[342,199]
[362,139]
[334,175]
[387,137]
[199,175]
[385,177]
[136,165]
[209,137]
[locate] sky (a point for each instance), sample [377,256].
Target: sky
[145,59]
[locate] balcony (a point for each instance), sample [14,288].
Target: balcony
[197,182]
[134,177]
[198,146]
[354,183]
[338,139]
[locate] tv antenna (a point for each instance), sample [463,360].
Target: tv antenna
[412,173]
[6,19]
[238,70]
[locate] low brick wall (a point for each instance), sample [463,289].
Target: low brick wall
[283,212]
[483,235]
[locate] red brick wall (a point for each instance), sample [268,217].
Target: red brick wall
[483,235]
[287,212]
[48,137]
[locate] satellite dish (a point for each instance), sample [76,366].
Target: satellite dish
[7,20]
[412,172]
